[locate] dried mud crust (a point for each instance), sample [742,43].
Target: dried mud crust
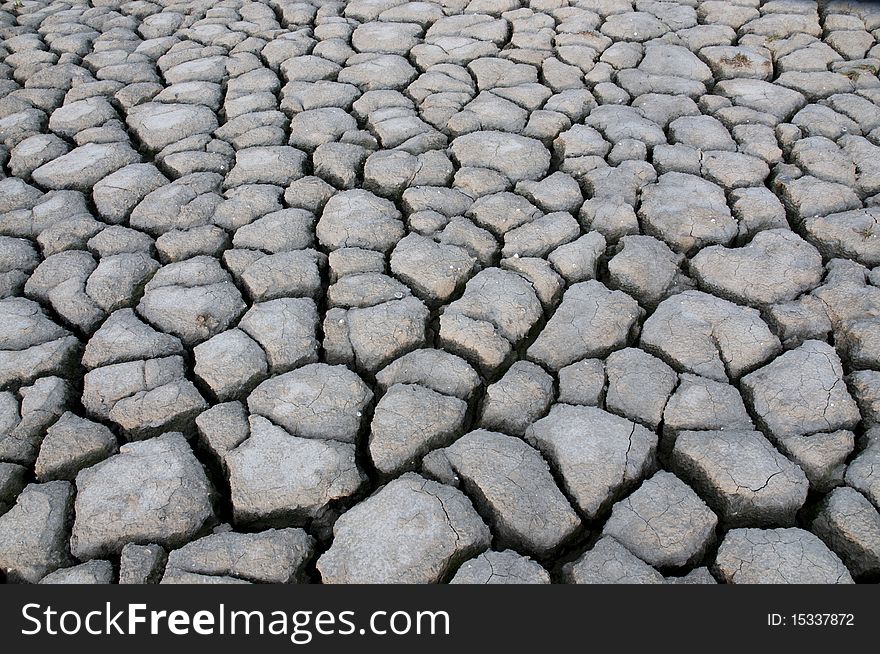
[471,291]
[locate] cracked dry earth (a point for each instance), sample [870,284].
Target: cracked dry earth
[478,291]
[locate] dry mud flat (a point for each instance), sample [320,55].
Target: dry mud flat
[473,292]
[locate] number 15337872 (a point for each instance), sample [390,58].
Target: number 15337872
[811,620]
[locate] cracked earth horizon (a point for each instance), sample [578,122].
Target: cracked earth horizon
[469,291]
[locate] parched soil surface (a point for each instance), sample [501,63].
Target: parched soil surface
[469,291]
